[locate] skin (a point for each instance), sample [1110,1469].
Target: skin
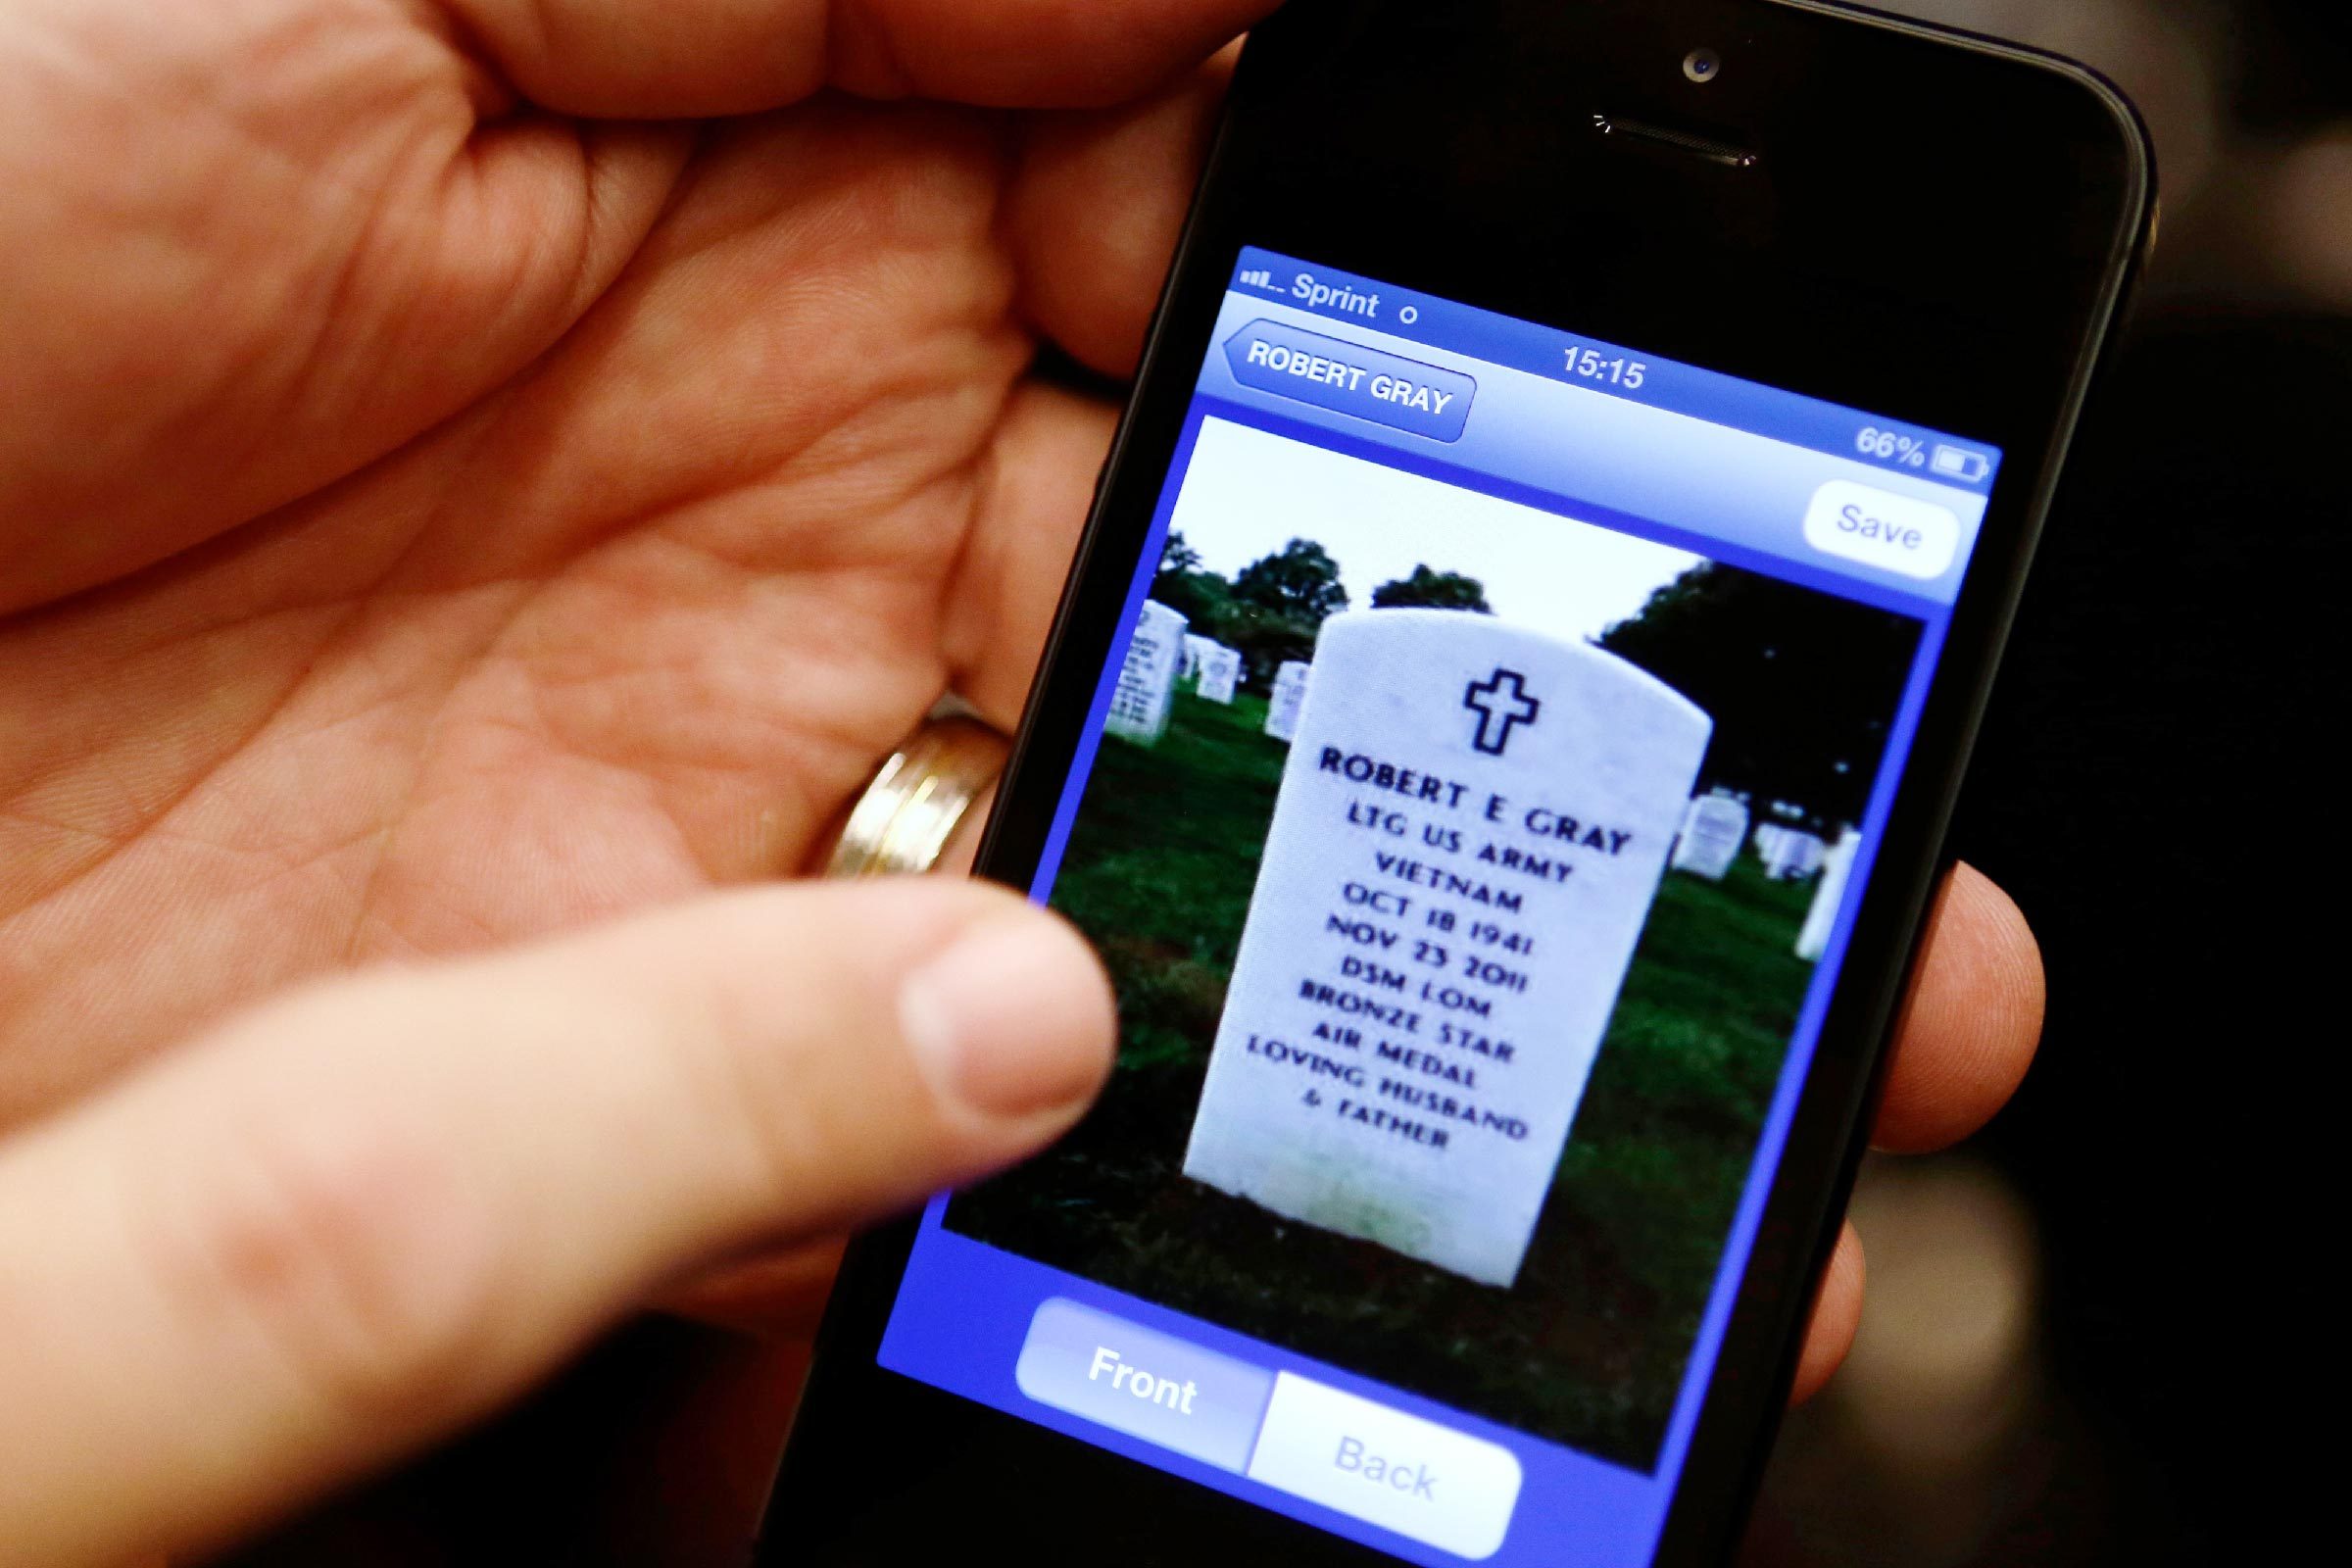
[472,474]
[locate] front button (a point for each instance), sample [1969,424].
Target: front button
[1431,1483]
[1144,1384]
[1350,378]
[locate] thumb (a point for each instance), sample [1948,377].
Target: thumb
[342,1225]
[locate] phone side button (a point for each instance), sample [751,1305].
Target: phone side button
[1439,1487]
[1143,1383]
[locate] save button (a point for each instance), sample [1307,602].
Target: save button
[1878,528]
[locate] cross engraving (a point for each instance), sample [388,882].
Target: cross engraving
[1497,715]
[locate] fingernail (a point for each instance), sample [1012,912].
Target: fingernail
[1013,1020]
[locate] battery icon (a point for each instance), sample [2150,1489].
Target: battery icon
[1958,463]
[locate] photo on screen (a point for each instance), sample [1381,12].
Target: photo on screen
[1462,869]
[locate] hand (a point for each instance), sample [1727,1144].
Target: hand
[340,1225]
[436,518]
[448,497]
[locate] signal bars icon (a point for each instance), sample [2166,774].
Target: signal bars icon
[1262,278]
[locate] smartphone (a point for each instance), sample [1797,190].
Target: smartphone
[1499,735]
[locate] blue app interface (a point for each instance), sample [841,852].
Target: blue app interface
[1472,815]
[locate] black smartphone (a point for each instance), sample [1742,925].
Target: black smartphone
[1499,736]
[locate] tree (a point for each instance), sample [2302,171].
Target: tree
[1177,559]
[1298,582]
[1201,598]
[1266,642]
[1802,685]
[1279,604]
[1433,590]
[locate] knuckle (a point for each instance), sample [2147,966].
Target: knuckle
[336,1255]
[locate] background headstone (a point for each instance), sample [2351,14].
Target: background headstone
[1289,692]
[1194,645]
[1836,869]
[1471,828]
[1139,703]
[1220,672]
[1795,854]
[1713,829]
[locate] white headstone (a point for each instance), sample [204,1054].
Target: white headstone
[1795,854]
[1220,672]
[1140,702]
[1471,828]
[1814,940]
[1289,692]
[1194,645]
[1713,829]
[1767,838]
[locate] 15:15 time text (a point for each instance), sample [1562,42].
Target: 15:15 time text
[1592,366]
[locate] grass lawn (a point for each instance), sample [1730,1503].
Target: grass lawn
[1589,1346]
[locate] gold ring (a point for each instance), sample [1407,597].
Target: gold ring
[911,809]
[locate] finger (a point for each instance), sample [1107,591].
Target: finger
[1032,504]
[775,1295]
[1837,1314]
[620,58]
[782,1294]
[1096,210]
[1973,1020]
[345,1224]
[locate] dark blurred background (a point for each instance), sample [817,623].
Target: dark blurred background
[2093,1334]
[2098,1333]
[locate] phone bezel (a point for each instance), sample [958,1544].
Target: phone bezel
[1740,290]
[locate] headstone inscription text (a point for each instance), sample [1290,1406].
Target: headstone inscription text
[1146,685]
[1471,826]
[1713,829]
[1289,692]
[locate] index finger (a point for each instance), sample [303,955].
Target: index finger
[628,59]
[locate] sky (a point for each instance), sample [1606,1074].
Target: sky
[1249,493]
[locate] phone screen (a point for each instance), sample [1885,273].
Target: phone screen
[1472,816]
